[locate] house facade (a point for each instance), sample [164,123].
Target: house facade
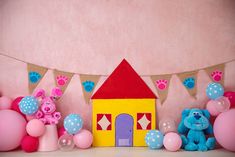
[123,109]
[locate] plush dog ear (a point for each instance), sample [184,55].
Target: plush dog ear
[40,93]
[56,93]
[208,130]
[185,113]
[182,129]
[206,114]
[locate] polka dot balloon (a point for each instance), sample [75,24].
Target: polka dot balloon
[73,123]
[28,105]
[154,139]
[214,90]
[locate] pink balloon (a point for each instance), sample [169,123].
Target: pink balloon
[167,125]
[217,106]
[35,128]
[83,139]
[29,117]
[231,96]
[12,129]
[172,141]
[5,103]
[224,129]
[61,131]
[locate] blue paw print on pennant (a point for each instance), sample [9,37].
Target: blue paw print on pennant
[189,82]
[34,77]
[88,86]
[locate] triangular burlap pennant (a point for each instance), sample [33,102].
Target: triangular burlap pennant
[216,73]
[62,79]
[161,82]
[189,80]
[88,84]
[35,75]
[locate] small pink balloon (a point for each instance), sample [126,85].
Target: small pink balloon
[5,103]
[231,96]
[28,117]
[12,129]
[61,131]
[35,128]
[211,107]
[66,142]
[167,125]
[172,141]
[83,139]
[224,127]
[217,106]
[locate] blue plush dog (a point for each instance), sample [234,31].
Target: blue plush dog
[195,123]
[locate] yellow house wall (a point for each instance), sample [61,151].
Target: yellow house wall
[116,107]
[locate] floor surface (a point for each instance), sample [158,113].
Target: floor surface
[120,152]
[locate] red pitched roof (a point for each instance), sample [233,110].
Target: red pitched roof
[124,82]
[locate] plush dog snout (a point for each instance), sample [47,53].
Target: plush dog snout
[47,108]
[197,116]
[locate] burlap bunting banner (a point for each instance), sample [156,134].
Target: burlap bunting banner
[216,73]
[88,84]
[161,82]
[62,79]
[35,75]
[189,80]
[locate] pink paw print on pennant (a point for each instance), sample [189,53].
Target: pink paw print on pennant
[161,84]
[61,80]
[217,75]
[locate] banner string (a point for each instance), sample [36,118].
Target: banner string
[5,55]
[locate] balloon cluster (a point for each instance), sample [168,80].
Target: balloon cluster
[23,126]
[218,103]
[219,106]
[72,134]
[12,127]
[167,136]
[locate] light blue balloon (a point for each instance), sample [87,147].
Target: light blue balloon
[154,139]
[73,123]
[214,90]
[28,105]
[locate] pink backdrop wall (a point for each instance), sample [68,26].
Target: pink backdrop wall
[93,36]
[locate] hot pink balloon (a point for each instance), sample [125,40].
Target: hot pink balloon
[15,105]
[231,96]
[12,129]
[83,139]
[61,131]
[172,141]
[217,106]
[224,127]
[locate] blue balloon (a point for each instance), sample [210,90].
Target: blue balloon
[214,90]
[28,105]
[73,123]
[154,139]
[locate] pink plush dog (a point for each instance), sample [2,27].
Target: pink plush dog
[47,112]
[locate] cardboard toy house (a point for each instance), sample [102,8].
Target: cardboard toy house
[124,109]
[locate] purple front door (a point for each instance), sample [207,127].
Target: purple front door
[124,130]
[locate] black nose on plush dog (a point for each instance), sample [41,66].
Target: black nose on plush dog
[197,116]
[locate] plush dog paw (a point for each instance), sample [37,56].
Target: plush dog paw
[184,141]
[202,147]
[191,147]
[210,143]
